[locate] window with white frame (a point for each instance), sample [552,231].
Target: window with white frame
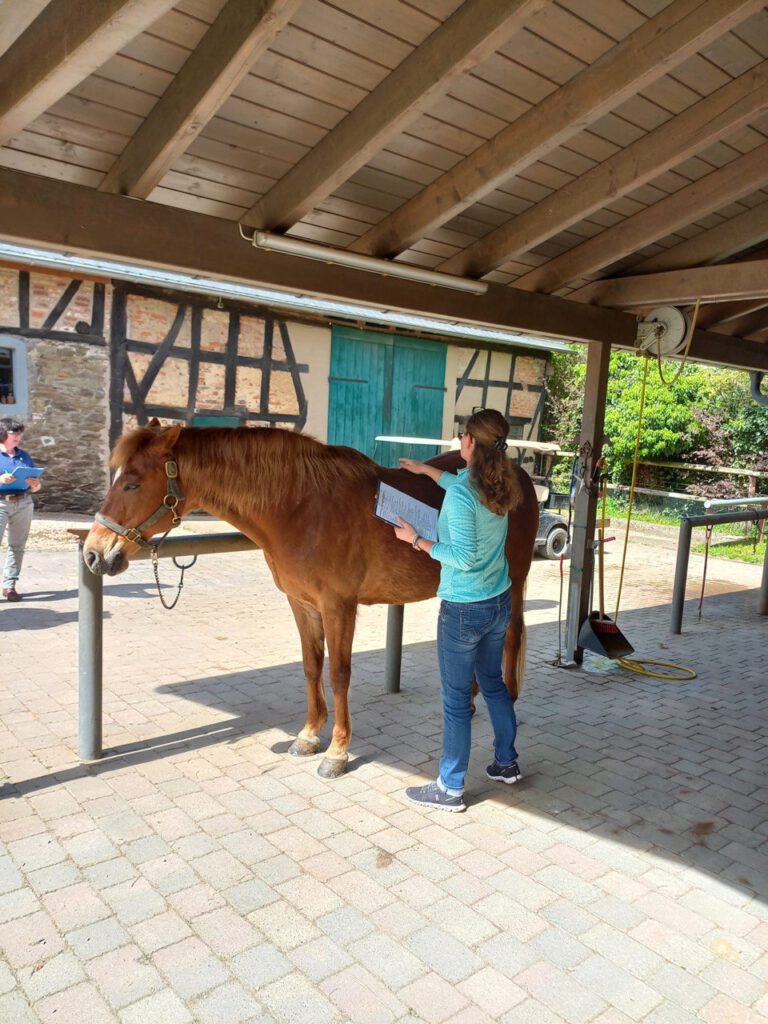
[13,377]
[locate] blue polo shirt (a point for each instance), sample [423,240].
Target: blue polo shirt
[10,462]
[470,544]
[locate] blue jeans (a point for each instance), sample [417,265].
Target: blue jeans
[470,641]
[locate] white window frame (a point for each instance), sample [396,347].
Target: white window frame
[19,408]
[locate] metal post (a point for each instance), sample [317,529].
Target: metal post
[394,652]
[681,574]
[763,606]
[90,637]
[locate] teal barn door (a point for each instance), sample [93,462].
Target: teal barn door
[380,384]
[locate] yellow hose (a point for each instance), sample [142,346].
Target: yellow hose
[681,673]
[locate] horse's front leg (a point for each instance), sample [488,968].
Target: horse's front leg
[312,636]
[339,623]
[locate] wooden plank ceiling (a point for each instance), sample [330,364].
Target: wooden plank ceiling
[612,152]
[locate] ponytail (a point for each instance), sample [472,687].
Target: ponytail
[490,471]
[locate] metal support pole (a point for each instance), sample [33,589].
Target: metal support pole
[763,607]
[90,638]
[681,574]
[394,652]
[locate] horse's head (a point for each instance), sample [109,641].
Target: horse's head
[141,501]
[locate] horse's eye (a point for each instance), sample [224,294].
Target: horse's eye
[130,487]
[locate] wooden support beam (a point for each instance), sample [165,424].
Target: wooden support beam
[710,246]
[62,216]
[15,18]
[680,138]
[723,282]
[68,41]
[716,314]
[239,35]
[581,569]
[737,353]
[747,325]
[716,190]
[659,45]
[473,33]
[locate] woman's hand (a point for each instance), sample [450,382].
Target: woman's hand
[34,483]
[419,468]
[405,531]
[7,478]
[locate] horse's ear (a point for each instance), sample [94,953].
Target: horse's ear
[154,425]
[166,439]
[171,435]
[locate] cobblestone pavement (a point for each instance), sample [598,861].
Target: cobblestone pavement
[199,873]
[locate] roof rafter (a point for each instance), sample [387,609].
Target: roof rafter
[468,37]
[747,324]
[717,314]
[717,243]
[67,41]
[241,32]
[723,111]
[726,281]
[649,52]
[712,192]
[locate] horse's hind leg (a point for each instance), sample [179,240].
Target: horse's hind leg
[312,651]
[339,623]
[514,643]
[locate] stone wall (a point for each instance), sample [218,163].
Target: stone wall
[67,368]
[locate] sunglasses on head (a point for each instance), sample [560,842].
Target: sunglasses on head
[15,431]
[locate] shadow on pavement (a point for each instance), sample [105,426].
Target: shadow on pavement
[654,767]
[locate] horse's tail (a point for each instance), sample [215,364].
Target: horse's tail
[515,642]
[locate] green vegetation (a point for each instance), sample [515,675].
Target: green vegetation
[706,416]
[740,551]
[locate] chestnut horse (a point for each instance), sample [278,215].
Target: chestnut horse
[309,507]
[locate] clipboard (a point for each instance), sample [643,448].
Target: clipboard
[392,505]
[21,475]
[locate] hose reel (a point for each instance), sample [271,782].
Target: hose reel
[664,331]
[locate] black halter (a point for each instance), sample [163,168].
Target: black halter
[170,504]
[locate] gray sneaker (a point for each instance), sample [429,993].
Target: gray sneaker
[508,773]
[432,795]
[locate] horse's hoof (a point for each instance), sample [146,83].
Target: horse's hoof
[332,768]
[303,748]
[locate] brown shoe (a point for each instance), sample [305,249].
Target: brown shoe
[10,594]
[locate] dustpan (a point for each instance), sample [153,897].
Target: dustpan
[599,633]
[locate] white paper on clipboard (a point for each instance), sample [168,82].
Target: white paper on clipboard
[393,505]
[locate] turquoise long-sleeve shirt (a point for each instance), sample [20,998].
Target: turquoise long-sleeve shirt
[470,544]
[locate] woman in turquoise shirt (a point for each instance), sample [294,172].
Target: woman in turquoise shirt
[475,612]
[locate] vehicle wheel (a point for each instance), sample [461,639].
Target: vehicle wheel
[557,543]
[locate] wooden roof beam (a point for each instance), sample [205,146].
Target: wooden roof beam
[73,218]
[649,52]
[722,283]
[469,36]
[748,324]
[239,35]
[67,41]
[715,315]
[723,111]
[725,185]
[718,243]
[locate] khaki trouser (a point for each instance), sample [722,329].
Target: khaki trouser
[16,516]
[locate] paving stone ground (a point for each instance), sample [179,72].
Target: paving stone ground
[200,874]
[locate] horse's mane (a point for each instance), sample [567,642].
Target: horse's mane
[254,467]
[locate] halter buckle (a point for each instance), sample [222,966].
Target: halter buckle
[171,469]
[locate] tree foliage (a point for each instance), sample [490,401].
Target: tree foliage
[705,416]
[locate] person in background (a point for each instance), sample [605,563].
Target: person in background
[476,607]
[16,505]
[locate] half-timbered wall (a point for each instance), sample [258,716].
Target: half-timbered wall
[91,360]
